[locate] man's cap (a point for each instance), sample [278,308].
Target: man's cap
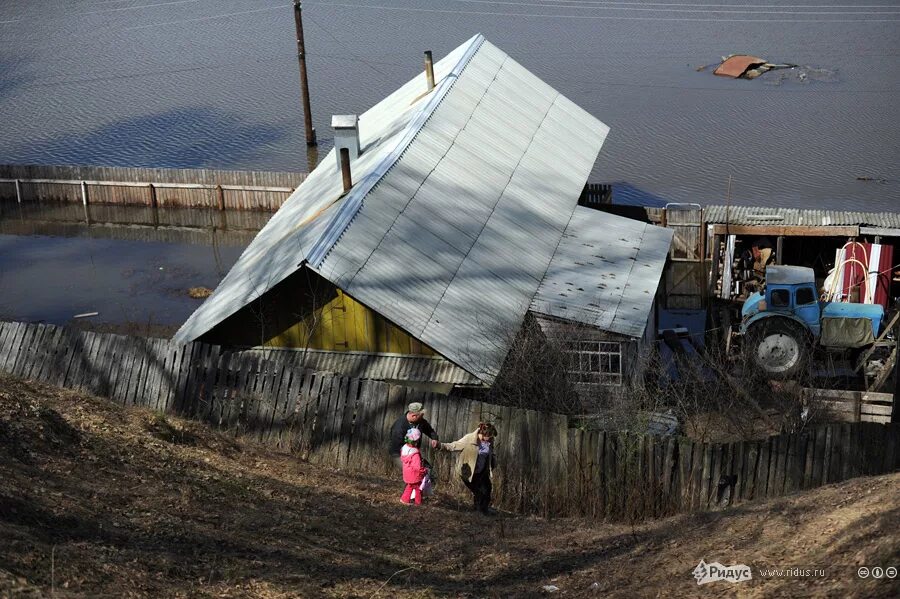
[415,408]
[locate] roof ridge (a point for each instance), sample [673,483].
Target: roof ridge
[353,201]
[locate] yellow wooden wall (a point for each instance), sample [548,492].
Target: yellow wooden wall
[306,311]
[343,324]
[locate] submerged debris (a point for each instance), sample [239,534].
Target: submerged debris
[744,66]
[199,292]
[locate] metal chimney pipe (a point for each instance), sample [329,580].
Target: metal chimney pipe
[345,169]
[429,70]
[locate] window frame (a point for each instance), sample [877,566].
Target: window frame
[812,295]
[594,362]
[779,292]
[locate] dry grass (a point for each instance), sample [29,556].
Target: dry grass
[98,500]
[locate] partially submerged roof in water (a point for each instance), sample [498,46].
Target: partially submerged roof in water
[736,65]
[461,198]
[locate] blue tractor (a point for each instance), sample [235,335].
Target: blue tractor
[783,325]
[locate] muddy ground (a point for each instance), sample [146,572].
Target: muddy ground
[101,501]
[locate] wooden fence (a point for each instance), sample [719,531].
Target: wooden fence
[546,467]
[850,406]
[192,188]
[133,223]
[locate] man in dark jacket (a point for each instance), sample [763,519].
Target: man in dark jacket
[414,418]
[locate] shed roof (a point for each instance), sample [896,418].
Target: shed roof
[605,272]
[461,198]
[748,215]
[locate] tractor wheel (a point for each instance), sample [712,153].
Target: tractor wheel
[779,348]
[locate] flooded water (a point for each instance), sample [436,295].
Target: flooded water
[214,83]
[59,261]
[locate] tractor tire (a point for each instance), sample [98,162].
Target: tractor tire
[778,348]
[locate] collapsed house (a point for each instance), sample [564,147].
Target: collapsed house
[445,216]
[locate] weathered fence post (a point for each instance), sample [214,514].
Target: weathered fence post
[220,197]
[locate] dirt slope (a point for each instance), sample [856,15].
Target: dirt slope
[97,500]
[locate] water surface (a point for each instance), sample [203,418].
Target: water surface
[214,83]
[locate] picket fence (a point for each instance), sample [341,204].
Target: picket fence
[162,187]
[546,466]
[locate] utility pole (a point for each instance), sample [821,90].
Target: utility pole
[304,83]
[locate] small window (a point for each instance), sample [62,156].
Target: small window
[594,362]
[781,298]
[805,296]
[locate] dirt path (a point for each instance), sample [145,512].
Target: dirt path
[97,500]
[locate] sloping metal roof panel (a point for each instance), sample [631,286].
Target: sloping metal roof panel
[748,215]
[605,272]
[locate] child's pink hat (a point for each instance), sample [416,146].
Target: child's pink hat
[413,434]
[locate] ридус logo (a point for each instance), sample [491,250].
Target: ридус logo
[715,571]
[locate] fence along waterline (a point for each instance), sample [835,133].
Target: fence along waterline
[545,466]
[191,188]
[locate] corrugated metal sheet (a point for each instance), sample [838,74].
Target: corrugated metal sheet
[378,366]
[605,272]
[449,235]
[746,215]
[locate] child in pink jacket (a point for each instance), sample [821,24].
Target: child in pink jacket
[413,470]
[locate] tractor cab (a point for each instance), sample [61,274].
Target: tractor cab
[783,324]
[790,292]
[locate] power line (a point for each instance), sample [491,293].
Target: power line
[667,4]
[192,68]
[139,7]
[332,36]
[211,18]
[598,17]
[741,10]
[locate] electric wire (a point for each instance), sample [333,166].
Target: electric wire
[741,10]
[596,17]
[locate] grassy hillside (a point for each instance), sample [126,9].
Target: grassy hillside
[98,500]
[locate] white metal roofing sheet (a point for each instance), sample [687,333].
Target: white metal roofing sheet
[605,272]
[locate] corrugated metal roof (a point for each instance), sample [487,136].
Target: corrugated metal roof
[746,215]
[605,272]
[454,221]
[379,366]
